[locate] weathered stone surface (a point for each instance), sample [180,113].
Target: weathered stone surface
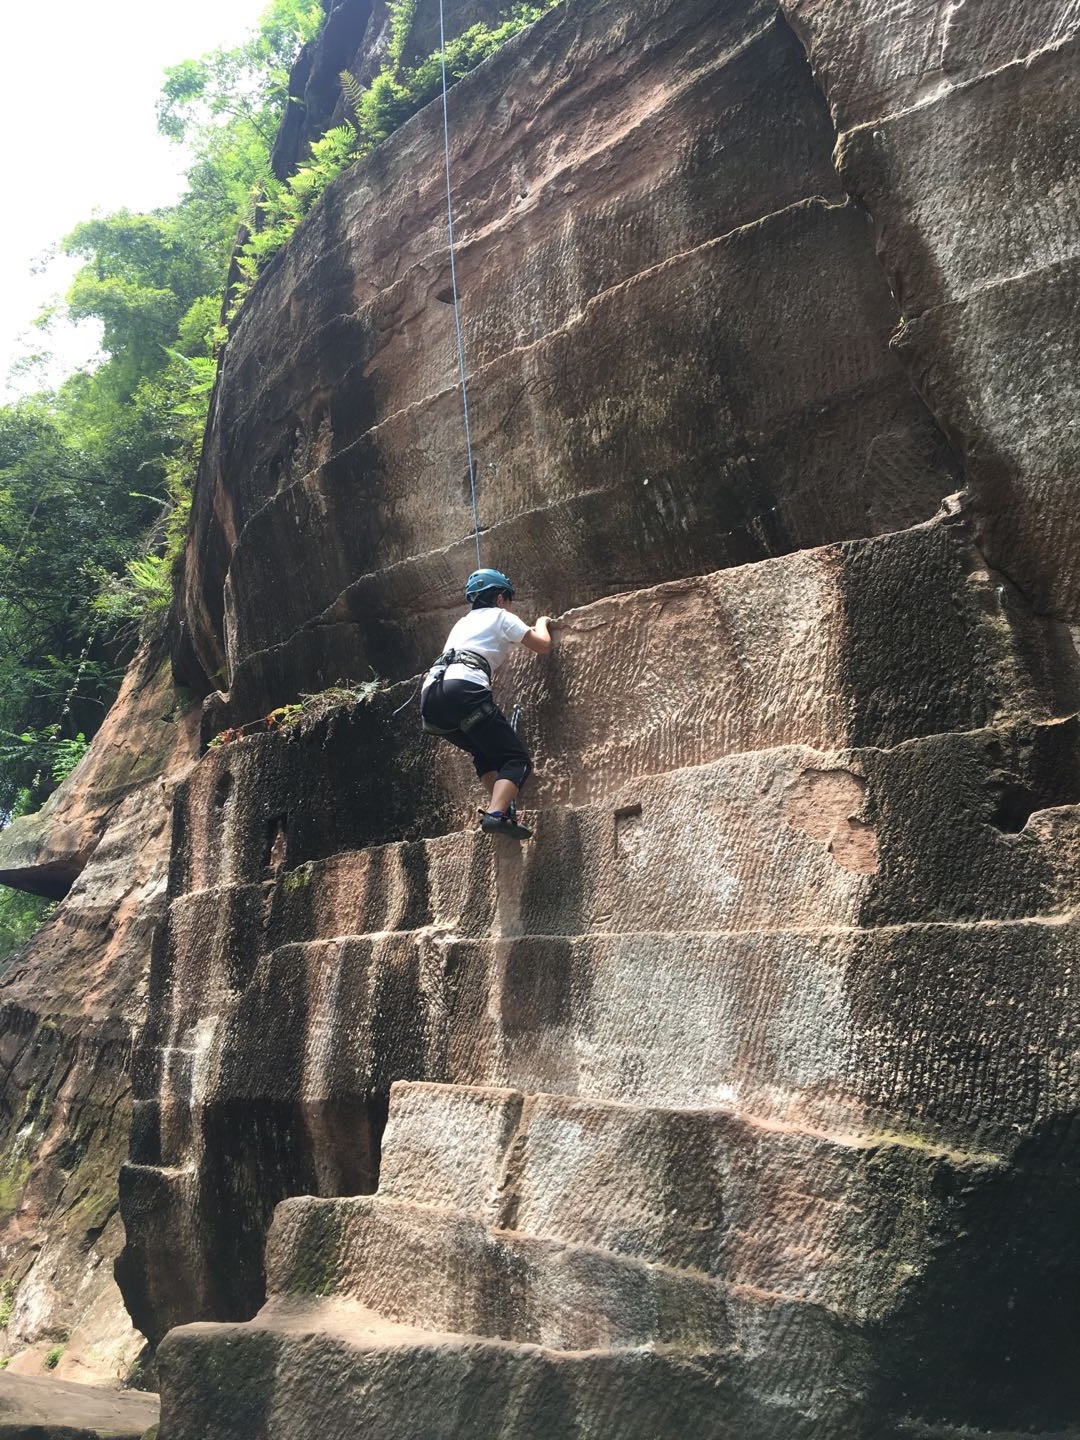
[975,196]
[446,1272]
[580,223]
[45,852]
[958,128]
[701,1191]
[940,178]
[69,1005]
[715,1192]
[813,649]
[384,1270]
[744,1099]
[751,962]
[50,1409]
[1013,424]
[875,59]
[457,1163]
[354,1370]
[724,506]
[608,1015]
[944,828]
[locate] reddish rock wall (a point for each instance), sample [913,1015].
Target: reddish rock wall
[69,1006]
[742,1101]
[696,209]
[738,1103]
[958,130]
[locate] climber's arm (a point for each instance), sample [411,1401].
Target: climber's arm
[538,639]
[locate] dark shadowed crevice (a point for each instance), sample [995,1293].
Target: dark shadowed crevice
[1013,808]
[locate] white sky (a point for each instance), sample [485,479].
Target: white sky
[77,98]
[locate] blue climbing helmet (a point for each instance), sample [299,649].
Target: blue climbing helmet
[481,581]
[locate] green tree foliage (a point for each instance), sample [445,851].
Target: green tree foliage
[20,916]
[398,91]
[142,275]
[95,477]
[226,107]
[61,510]
[249,83]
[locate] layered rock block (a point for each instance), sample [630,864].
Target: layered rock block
[71,1003]
[752,956]
[741,1102]
[958,131]
[705,220]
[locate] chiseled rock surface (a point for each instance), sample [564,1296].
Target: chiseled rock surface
[51,1409]
[597,205]
[457,1163]
[70,1004]
[958,129]
[824,648]
[753,1275]
[742,1102]
[721,1059]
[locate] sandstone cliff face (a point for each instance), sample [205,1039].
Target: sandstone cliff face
[758,1059]
[634,246]
[957,128]
[69,1008]
[743,1101]
[740,1102]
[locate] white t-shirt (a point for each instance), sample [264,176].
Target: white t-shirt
[490,632]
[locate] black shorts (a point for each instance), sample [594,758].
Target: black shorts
[493,743]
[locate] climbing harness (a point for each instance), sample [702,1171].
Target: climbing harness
[471,718]
[454,290]
[437,670]
[472,658]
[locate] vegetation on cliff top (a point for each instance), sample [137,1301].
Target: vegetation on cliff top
[95,475]
[396,93]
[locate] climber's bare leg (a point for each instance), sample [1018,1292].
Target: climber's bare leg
[503,794]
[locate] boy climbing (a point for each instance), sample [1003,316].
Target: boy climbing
[456,700]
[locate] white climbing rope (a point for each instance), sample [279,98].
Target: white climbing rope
[454,291]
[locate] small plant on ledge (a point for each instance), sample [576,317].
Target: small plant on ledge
[297,718]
